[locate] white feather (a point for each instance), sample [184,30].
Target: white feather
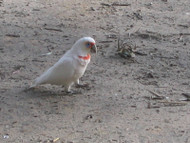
[69,68]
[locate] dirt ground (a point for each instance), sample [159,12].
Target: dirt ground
[128,100]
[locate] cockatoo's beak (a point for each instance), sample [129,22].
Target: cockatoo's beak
[94,49]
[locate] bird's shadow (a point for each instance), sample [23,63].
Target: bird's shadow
[45,92]
[48,100]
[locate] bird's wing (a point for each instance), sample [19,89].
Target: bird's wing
[59,73]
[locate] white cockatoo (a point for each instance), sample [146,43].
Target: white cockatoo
[71,67]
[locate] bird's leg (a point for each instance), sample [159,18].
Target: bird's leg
[68,88]
[77,82]
[78,85]
[69,91]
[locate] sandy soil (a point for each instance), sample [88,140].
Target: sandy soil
[127,101]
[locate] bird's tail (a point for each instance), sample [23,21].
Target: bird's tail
[34,83]
[41,79]
[37,82]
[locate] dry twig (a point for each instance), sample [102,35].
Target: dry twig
[187,96]
[158,97]
[53,29]
[173,103]
[13,35]
[116,4]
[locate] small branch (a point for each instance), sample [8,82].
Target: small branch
[121,4]
[154,93]
[165,57]
[184,34]
[116,4]
[187,96]
[157,95]
[105,41]
[53,29]
[105,4]
[118,44]
[139,53]
[170,103]
[36,60]
[12,35]
[150,106]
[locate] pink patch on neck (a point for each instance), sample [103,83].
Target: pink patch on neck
[85,57]
[92,44]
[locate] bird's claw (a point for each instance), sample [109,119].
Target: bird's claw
[72,92]
[86,85]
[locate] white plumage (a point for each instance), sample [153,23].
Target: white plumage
[71,67]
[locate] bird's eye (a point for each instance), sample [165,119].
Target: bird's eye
[88,44]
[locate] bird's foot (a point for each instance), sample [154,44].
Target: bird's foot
[86,85]
[72,92]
